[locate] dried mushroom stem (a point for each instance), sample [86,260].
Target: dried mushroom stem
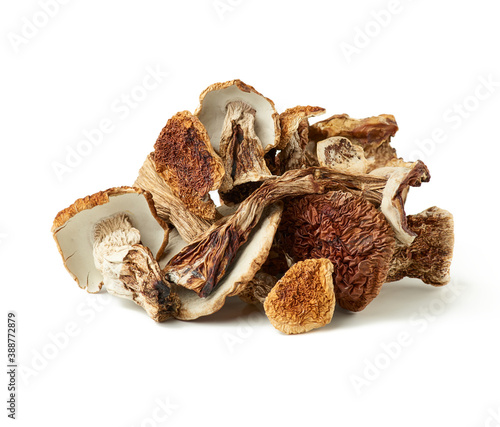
[201,265]
[129,269]
[429,257]
[240,148]
[169,207]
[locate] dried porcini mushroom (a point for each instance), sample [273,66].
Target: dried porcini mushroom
[373,134]
[187,162]
[170,208]
[347,230]
[294,136]
[429,257]
[340,154]
[242,125]
[303,299]
[104,240]
[399,180]
[249,258]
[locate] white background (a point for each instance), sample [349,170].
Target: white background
[69,72]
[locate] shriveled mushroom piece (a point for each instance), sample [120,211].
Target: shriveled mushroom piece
[170,208]
[242,125]
[256,291]
[294,136]
[373,134]
[340,154]
[246,263]
[347,230]
[187,162]
[429,257]
[109,239]
[399,180]
[303,299]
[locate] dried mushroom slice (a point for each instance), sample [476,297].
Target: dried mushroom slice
[373,134]
[347,230]
[242,125]
[303,299]
[189,165]
[399,180]
[294,136]
[245,264]
[104,240]
[429,257]
[256,291]
[340,154]
[170,208]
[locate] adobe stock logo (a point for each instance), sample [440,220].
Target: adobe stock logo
[30,27]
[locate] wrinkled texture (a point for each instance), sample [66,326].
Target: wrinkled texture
[373,134]
[169,207]
[429,257]
[258,288]
[340,154]
[303,299]
[348,231]
[187,162]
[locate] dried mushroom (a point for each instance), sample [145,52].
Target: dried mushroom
[373,134]
[189,165]
[340,154]
[303,299]
[242,125]
[256,291]
[246,263]
[170,208]
[108,239]
[294,136]
[429,257]
[348,231]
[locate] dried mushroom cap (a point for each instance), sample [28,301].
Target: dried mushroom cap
[212,111]
[429,257]
[303,299]
[170,208]
[256,291]
[340,154]
[373,134]
[247,262]
[186,160]
[399,180]
[294,136]
[74,228]
[347,230]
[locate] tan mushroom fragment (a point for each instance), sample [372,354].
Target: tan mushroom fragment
[373,134]
[109,239]
[249,258]
[242,125]
[294,136]
[185,159]
[429,256]
[303,299]
[256,291]
[347,230]
[170,208]
[338,153]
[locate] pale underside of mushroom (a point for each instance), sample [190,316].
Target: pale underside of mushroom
[73,229]
[189,165]
[169,207]
[338,153]
[429,256]
[248,260]
[303,299]
[294,136]
[373,134]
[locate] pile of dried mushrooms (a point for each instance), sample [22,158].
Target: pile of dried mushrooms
[311,215]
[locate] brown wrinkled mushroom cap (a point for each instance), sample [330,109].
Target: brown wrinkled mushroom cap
[303,299]
[73,229]
[186,160]
[347,230]
[212,111]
